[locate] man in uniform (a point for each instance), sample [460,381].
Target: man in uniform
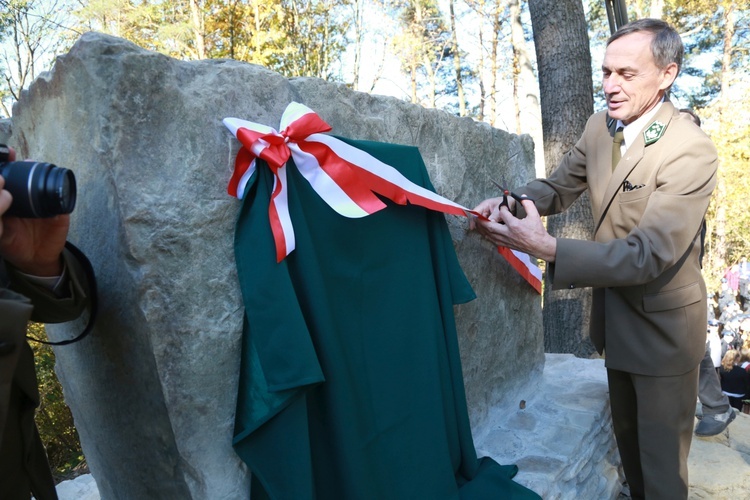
[650,173]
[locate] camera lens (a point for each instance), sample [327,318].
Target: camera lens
[39,189]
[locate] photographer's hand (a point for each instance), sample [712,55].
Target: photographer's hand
[5,200]
[34,246]
[5,197]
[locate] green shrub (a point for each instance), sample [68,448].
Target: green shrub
[53,417]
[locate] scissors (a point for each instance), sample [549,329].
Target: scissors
[507,193]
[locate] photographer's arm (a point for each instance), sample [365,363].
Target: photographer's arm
[63,303]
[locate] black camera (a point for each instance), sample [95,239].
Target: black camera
[39,189]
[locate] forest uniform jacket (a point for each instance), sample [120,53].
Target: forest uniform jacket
[20,302]
[649,299]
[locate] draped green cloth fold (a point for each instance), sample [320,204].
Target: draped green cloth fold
[351,384]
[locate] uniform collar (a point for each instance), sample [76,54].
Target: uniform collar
[630,132]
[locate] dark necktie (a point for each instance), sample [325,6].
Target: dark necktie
[616,143]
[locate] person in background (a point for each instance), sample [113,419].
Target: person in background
[745,359]
[743,286]
[716,413]
[650,173]
[729,340]
[744,333]
[728,305]
[735,382]
[732,276]
[714,341]
[39,281]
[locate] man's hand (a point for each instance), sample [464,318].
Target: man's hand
[33,246]
[489,208]
[527,235]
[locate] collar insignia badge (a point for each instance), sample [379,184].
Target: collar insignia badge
[654,132]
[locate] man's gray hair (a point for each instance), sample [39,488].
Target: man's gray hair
[666,47]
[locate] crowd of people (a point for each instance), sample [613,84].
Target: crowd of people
[729,334]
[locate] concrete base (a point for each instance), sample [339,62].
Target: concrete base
[560,433]
[719,466]
[81,488]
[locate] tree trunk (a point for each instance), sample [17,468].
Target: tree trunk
[726,56]
[457,62]
[256,17]
[358,36]
[657,9]
[516,41]
[720,193]
[381,66]
[198,30]
[413,74]
[566,91]
[432,79]
[494,65]
[482,90]
[525,88]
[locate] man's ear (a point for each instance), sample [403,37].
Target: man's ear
[669,74]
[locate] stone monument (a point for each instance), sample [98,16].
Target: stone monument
[153,389]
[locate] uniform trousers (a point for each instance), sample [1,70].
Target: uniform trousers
[653,421]
[713,401]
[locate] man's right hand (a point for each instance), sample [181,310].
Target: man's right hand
[527,235]
[490,208]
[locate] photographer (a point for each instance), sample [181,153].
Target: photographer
[42,281]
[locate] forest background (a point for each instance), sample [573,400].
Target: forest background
[526,66]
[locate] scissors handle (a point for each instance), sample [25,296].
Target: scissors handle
[504,203]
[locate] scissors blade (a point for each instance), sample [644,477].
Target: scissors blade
[504,191]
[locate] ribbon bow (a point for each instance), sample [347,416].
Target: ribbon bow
[345,177]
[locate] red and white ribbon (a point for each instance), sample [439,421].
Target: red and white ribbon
[522,263]
[345,177]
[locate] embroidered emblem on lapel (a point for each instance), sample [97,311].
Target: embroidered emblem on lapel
[654,132]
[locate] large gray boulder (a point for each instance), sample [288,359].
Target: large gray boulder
[153,389]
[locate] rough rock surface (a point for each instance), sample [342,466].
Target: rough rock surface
[153,389]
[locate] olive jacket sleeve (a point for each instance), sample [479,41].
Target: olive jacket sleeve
[21,302]
[649,297]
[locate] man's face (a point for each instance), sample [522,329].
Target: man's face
[632,82]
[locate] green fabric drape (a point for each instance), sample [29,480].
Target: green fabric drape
[351,383]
